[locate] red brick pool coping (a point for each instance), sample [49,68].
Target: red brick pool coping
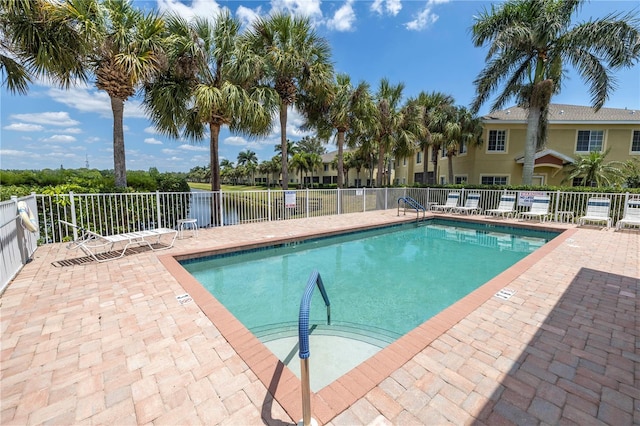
[336,397]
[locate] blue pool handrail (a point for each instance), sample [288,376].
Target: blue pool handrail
[303,319]
[303,341]
[408,201]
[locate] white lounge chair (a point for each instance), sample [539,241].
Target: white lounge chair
[631,216]
[471,205]
[597,212]
[539,209]
[100,247]
[452,202]
[505,207]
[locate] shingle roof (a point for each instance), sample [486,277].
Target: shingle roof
[569,113]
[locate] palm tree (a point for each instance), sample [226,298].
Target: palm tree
[33,44]
[314,161]
[436,108]
[342,109]
[311,145]
[462,128]
[206,86]
[395,128]
[290,149]
[530,43]
[594,171]
[125,50]
[294,59]
[249,160]
[299,163]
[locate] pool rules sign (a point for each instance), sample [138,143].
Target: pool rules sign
[290,199]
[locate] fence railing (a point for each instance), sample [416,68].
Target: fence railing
[110,214]
[16,243]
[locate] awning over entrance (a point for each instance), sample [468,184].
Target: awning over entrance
[548,158]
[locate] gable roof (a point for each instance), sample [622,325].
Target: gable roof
[561,113]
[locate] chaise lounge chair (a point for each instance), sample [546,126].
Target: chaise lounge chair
[100,247]
[452,202]
[539,209]
[631,215]
[471,206]
[597,212]
[505,207]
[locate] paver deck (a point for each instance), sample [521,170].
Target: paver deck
[110,344]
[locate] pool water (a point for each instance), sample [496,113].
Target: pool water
[383,282]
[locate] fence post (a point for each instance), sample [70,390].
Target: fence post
[269,204]
[339,207]
[158,213]
[385,197]
[72,203]
[221,210]
[307,202]
[557,204]
[364,200]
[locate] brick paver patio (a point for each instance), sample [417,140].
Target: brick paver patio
[110,344]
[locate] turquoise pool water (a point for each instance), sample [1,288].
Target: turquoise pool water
[387,281]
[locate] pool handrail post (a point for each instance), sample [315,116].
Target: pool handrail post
[303,340]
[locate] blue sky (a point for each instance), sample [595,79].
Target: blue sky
[423,43]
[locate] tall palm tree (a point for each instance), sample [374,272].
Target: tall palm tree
[33,44]
[249,160]
[436,108]
[530,43]
[462,128]
[294,60]
[311,145]
[395,128]
[594,171]
[125,50]
[314,161]
[341,109]
[207,86]
[299,163]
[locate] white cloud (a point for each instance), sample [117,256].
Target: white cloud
[86,100]
[343,19]
[194,147]
[24,127]
[152,141]
[248,16]
[60,118]
[13,153]
[170,151]
[73,130]
[152,130]
[307,8]
[200,8]
[426,17]
[390,7]
[235,140]
[60,139]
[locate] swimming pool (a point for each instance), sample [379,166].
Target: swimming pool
[383,282]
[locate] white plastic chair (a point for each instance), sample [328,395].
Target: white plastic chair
[505,207]
[452,202]
[597,212]
[471,205]
[539,209]
[631,216]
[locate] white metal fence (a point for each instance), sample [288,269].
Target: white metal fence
[16,243]
[109,214]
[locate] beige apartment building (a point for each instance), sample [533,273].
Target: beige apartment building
[572,130]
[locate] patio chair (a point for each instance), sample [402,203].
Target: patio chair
[452,201]
[100,247]
[505,207]
[597,212]
[631,215]
[539,209]
[471,205]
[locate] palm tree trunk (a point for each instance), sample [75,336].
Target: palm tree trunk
[379,182]
[450,164]
[283,144]
[530,145]
[340,159]
[214,129]
[119,163]
[434,159]
[425,163]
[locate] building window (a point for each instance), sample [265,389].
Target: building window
[590,140]
[460,180]
[497,141]
[463,148]
[404,161]
[419,158]
[635,142]
[326,167]
[493,180]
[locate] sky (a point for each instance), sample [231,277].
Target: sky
[424,44]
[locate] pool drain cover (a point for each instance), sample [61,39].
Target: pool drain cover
[505,293]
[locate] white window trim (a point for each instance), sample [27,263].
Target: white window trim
[465,176]
[508,176]
[462,154]
[419,160]
[604,140]
[506,143]
[631,152]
